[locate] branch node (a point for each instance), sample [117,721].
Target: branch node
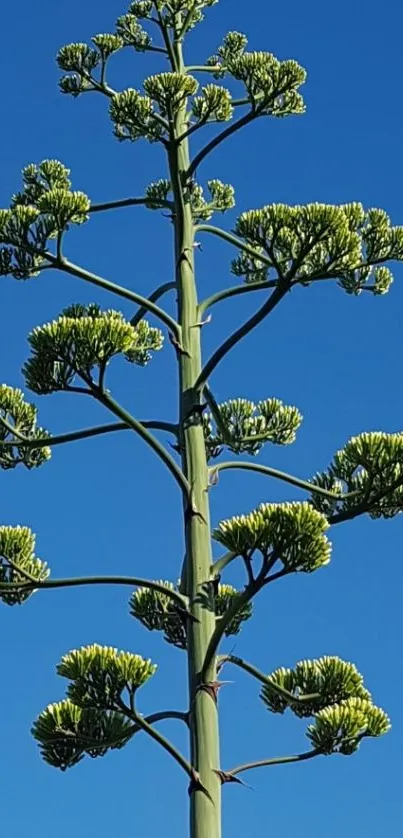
[197,785]
[178,346]
[227,777]
[212,689]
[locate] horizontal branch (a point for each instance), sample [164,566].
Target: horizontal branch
[266,680]
[273,472]
[80,581]
[120,291]
[130,202]
[236,242]
[234,291]
[73,436]
[262,763]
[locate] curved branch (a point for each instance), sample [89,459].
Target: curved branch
[218,566]
[266,680]
[248,766]
[106,285]
[130,202]
[143,724]
[277,295]
[237,242]
[79,581]
[247,594]
[86,433]
[227,293]
[10,429]
[159,292]
[217,140]
[280,475]
[177,473]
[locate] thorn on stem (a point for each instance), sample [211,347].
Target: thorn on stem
[226,777]
[196,785]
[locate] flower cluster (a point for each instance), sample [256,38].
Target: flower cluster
[271,86]
[292,533]
[245,427]
[45,208]
[301,244]
[332,691]
[157,611]
[81,340]
[19,565]
[369,471]
[92,719]
[18,422]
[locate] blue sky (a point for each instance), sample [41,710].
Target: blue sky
[106,506]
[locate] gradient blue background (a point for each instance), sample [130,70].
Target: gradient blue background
[106,506]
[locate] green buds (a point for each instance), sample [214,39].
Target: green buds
[285,532]
[100,675]
[213,105]
[92,719]
[133,117]
[83,339]
[370,467]
[107,44]
[245,427]
[132,34]
[158,612]
[66,733]
[304,243]
[170,90]
[18,564]
[78,58]
[314,685]
[44,208]
[339,729]
[23,416]
[271,85]
[222,198]
[331,690]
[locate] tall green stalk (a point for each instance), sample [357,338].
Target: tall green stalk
[278,248]
[205,801]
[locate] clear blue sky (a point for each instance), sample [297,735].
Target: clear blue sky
[107,507]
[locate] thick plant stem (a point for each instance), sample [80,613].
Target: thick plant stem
[205,796]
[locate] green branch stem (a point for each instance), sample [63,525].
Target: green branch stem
[234,291]
[119,290]
[247,594]
[220,353]
[11,430]
[144,725]
[156,295]
[273,472]
[262,763]
[80,581]
[130,202]
[217,140]
[215,412]
[109,402]
[266,680]
[236,242]
[218,566]
[86,433]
